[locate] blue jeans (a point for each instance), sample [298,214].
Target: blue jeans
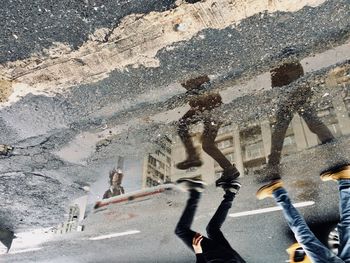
[315,250]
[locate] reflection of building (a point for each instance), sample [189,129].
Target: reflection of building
[248,147]
[76,214]
[156,166]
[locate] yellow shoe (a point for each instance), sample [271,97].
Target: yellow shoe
[336,174]
[267,190]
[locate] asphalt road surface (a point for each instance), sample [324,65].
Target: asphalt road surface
[142,230]
[83,82]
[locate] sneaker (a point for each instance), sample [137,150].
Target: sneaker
[191,183]
[228,175]
[336,173]
[268,189]
[233,186]
[188,163]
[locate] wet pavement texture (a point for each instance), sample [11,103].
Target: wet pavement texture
[63,148]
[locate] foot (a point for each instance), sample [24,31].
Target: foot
[232,186]
[336,173]
[230,174]
[193,183]
[188,163]
[268,189]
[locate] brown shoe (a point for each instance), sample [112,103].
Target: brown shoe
[336,174]
[267,190]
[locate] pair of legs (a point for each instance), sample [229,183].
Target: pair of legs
[211,128]
[314,249]
[215,239]
[284,116]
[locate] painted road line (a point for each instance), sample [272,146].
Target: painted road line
[131,232]
[25,250]
[269,209]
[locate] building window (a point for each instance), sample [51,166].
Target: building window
[225,129]
[230,157]
[225,143]
[152,160]
[160,165]
[254,151]
[150,182]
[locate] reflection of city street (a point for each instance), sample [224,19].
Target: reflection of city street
[201,107]
[115,180]
[296,101]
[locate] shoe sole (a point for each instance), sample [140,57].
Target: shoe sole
[237,186]
[198,186]
[336,173]
[194,164]
[181,180]
[220,183]
[261,194]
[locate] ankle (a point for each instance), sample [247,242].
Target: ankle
[229,195]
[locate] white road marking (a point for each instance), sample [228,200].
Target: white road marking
[131,232]
[269,209]
[25,250]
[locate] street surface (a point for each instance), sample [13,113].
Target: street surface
[86,82]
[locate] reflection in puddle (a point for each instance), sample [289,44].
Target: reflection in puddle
[291,129]
[115,180]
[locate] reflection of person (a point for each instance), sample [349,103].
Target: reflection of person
[215,247]
[115,180]
[201,107]
[313,248]
[296,102]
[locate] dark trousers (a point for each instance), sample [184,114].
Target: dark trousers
[211,128]
[215,244]
[284,115]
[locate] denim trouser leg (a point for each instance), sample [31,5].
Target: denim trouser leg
[183,227]
[344,225]
[315,250]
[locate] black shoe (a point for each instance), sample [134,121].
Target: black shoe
[232,186]
[194,183]
[229,175]
[188,163]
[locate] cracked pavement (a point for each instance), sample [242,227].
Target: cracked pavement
[67,109]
